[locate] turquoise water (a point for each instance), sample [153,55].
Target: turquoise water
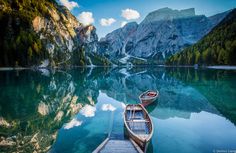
[69,111]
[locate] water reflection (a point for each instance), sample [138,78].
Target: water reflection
[73,123]
[87,103]
[88,111]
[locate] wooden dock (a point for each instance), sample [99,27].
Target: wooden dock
[118,146]
[116,142]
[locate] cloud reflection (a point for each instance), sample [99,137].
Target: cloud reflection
[108,107]
[73,123]
[88,111]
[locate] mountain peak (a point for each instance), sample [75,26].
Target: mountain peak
[168,14]
[130,25]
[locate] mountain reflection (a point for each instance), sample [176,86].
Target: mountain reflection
[35,104]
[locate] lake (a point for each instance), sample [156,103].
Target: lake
[72,111]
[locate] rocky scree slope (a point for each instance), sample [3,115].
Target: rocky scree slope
[162,33]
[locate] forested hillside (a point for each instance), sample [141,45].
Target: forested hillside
[216,48]
[19,44]
[43,33]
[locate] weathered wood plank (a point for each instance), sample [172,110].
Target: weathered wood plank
[101,146]
[118,146]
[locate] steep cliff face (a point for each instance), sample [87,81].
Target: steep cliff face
[161,34]
[115,42]
[58,33]
[43,33]
[88,37]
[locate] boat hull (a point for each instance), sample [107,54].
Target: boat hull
[142,144]
[128,123]
[148,100]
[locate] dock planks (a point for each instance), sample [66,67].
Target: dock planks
[117,146]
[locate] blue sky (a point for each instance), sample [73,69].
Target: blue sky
[92,11]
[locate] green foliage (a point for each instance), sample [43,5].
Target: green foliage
[97,59]
[18,41]
[217,48]
[78,57]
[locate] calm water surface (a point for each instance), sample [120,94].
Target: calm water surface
[73,111]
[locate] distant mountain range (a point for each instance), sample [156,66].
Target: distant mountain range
[216,48]
[161,34]
[45,34]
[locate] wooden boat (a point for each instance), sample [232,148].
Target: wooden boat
[138,125]
[148,97]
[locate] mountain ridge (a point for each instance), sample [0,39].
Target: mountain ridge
[155,40]
[216,48]
[163,13]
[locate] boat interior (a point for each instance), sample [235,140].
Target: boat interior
[137,121]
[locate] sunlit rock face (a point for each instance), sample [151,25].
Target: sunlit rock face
[161,34]
[63,34]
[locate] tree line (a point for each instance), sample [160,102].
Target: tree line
[216,48]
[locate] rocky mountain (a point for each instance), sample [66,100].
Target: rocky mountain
[161,34]
[43,33]
[217,48]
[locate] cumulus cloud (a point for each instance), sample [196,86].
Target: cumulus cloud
[107,22]
[108,107]
[69,4]
[88,111]
[130,14]
[74,122]
[123,23]
[86,18]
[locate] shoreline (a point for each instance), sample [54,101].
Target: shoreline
[222,67]
[219,67]
[13,68]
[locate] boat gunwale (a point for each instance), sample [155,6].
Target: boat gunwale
[149,118]
[149,98]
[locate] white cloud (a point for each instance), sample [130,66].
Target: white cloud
[86,18]
[69,4]
[88,111]
[123,23]
[130,14]
[74,122]
[107,22]
[108,107]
